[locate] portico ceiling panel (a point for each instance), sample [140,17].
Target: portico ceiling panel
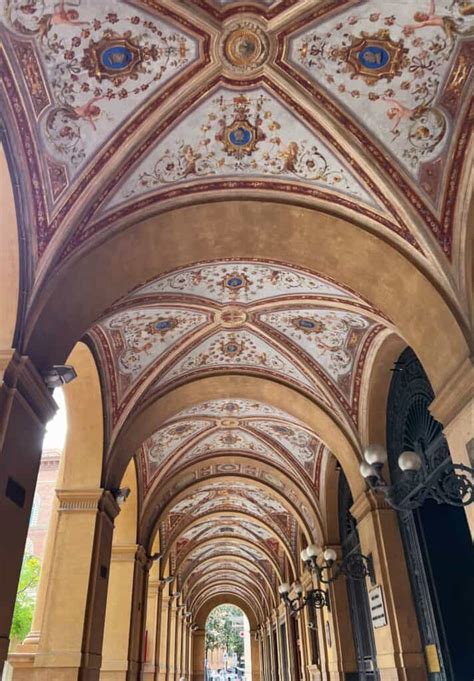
[90,66]
[241,133]
[242,316]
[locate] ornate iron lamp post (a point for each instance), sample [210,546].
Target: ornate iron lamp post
[446,483]
[353,566]
[317,598]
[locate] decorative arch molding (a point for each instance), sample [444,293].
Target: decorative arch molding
[155,511]
[223,580]
[225,542]
[15,265]
[243,567]
[187,525]
[380,273]
[143,423]
[204,610]
[238,589]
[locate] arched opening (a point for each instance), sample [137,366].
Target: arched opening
[227,649]
[434,535]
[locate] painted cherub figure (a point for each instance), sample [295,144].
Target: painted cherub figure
[398,112]
[61,15]
[89,111]
[446,23]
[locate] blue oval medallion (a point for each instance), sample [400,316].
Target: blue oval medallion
[374,57]
[306,323]
[163,324]
[232,348]
[234,282]
[116,57]
[240,136]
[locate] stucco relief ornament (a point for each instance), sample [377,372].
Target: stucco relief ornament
[244,47]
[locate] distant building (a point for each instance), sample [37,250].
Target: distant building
[43,503]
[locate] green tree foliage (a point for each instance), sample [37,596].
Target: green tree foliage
[223,628]
[25,599]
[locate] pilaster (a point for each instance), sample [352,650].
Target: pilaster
[26,406]
[399,652]
[454,408]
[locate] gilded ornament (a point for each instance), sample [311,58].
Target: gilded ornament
[377,56]
[116,57]
[244,46]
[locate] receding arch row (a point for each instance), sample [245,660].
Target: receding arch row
[224,579]
[305,513]
[216,516]
[303,237]
[241,568]
[144,422]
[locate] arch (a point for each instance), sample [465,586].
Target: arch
[146,420]
[302,236]
[9,259]
[194,522]
[376,387]
[154,512]
[205,610]
[82,461]
[246,575]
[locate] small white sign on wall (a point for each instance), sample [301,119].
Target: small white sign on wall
[377,607]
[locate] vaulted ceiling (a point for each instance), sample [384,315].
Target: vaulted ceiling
[119,112]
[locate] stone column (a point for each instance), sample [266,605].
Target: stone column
[171,640]
[141,569]
[255,657]
[399,652]
[335,635]
[199,650]
[151,628]
[161,634]
[74,614]
[26,406]
[454,408]
[179,644]
[118,614]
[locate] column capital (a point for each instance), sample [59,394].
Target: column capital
[78,500]
[124,552]
[22,376]
[455,395]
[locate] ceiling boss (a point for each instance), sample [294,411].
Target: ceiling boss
[244,47]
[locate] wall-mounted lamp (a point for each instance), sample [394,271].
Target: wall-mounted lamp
[316,598]
[167,580]
[353,566]
[446,483]
[121,494]
[59,375]
[155,556]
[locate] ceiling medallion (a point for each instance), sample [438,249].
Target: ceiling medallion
[244,46]
[231,317]
[308,325]
[240,139]
[114,56]
[229,423]
[376,56]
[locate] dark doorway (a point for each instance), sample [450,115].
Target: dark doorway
[436,537]
[362,630]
